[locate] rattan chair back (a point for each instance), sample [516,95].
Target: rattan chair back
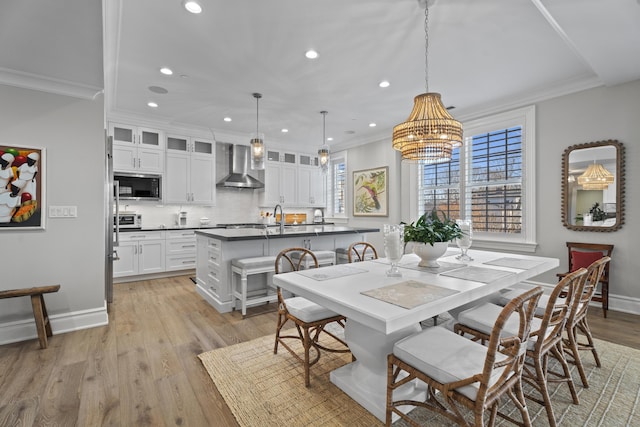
[577,321]
[523,306]
[361,251]
[291,259]
[557,311]
[588,289]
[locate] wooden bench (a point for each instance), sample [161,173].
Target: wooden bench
[39,308]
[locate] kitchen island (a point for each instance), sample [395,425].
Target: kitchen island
[216,248]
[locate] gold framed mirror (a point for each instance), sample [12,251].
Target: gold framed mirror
[593,186]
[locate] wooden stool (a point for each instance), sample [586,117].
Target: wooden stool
[39,308]
[246,267]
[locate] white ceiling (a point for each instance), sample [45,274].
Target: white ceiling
[484,56]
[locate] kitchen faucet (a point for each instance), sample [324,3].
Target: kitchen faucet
[275,210]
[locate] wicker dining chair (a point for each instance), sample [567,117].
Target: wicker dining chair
[577,321]
[582,255]
[308,317]
[361,251]
[545,338]
[461,373]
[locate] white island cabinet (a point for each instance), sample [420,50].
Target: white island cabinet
[217,248]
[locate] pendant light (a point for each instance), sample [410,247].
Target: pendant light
[257,143]
[596,177]
[430,133]
[323,151]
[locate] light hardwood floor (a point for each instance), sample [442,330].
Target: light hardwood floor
[142,369]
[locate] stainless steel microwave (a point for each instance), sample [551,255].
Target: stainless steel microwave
[138,186]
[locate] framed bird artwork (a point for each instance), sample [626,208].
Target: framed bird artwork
[370,192]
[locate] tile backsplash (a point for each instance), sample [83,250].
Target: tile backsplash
[232,206]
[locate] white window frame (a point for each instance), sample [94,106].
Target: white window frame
[525,118]
[335,158]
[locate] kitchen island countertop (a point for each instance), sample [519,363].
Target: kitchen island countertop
[220,285]
[273,232]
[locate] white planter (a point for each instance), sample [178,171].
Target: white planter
[429,254]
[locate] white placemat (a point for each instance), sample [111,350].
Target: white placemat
[413,265]
[331,272]
[478,274]
[444,266]
[522,264]
[409,294]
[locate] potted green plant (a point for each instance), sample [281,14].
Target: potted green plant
[597,214]
[431,235]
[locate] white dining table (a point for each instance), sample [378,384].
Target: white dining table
[362,292]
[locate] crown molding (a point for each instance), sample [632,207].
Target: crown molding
[47,84]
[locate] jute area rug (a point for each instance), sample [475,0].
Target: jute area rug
[263,389]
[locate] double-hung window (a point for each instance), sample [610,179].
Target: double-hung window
[490,180]
[337,184]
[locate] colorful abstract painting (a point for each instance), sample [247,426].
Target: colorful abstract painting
[21,187]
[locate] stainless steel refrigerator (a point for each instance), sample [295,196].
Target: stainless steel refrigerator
[111,229]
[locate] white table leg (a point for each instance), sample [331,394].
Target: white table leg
[365,380]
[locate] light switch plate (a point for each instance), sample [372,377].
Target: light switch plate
[63,211]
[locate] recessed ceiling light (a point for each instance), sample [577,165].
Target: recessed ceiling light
[329,138]
[166,71]
[284,130]
[311,54]
[372,125]
[384,83]
[192,6]
[152,104]
[227,119]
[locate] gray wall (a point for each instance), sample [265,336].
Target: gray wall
[592,115]
[373,155]
[70,251]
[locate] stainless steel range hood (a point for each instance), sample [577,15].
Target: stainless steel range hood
[239,161]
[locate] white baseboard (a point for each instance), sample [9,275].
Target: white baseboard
[22,330]
[616,302]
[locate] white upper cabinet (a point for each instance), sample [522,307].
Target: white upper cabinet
[281,173]
[137,149]
[311,186]
[190,170]
[293,179]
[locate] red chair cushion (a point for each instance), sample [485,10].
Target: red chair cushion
[583,259]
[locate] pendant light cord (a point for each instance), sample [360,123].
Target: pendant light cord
[324,117]
[257,96]
[426,46]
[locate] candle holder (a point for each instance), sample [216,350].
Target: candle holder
[464,242]
[393,247]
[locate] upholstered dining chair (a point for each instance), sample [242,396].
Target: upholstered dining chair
[577,321]
[308,317]
[545,338]
[582,255]
[361,251]
[461,373]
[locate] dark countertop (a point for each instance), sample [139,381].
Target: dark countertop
[173,227]
[273,232]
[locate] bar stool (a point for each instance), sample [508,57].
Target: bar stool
[342,255]
[245,267]
[323,257]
